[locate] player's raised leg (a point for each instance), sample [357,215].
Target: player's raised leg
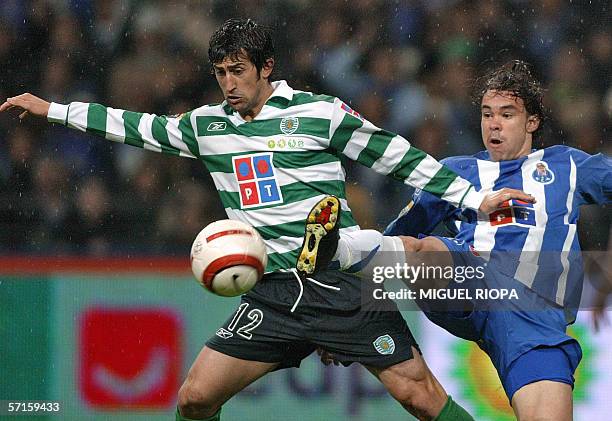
[362,251]
[212,380]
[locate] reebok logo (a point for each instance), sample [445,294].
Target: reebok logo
[216,126]
[223,333]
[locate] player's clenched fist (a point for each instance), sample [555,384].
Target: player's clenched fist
[29,103]
[494,200]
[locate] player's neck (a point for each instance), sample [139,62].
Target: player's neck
[262,98]
[525,150]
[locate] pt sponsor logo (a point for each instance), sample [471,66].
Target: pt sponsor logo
[257,180]
[129,358]
[513,212]
[384,345]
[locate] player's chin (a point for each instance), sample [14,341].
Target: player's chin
[495,156]
[238,107]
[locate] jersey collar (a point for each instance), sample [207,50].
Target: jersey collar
[484,155]
[281,96]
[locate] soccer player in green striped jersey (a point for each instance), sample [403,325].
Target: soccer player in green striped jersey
[274,152]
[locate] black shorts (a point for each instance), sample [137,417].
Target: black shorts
[283,320]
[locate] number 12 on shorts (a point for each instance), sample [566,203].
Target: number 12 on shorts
[255,316]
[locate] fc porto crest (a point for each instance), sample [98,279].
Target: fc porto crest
[543,174]
[384,345]
[289,125]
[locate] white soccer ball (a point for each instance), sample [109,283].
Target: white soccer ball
[228,257]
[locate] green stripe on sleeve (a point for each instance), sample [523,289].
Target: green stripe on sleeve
[158,130]
[131,120]
[409,162]
[376,147]
[465,194]
[188,134]
[343,133]
[96,119]
[440,182]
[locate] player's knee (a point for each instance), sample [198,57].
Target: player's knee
[432,244]
[193,402]
[420,398]
[418,391]
[411,244]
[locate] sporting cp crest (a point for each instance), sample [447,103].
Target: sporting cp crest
[289,125]
[543,174]
[384,345]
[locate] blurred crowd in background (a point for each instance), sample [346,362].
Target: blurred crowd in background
[404,65]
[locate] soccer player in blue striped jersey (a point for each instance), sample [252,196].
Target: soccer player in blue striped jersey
[531,249]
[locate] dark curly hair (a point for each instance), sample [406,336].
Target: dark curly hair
[239,36]
[514,77]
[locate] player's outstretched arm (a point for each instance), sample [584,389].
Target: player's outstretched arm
[173,135]
[390,154]
[30,104]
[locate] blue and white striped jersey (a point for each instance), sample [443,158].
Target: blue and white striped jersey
[536,243]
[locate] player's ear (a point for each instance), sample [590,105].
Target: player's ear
[533,122]
[266,69]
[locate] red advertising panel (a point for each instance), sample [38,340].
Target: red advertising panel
[129,358]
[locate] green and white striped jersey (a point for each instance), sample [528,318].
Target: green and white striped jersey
[270,171]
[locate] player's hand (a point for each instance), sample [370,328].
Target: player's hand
[29,103]
[599,314]
[494,200]
[327,357]
[599,318]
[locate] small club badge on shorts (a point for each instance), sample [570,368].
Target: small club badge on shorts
[384,345]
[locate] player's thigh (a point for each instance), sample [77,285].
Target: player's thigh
[215,377]
[412,383]
[543,400]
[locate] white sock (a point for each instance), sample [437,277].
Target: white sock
[355,246]
[394,246]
